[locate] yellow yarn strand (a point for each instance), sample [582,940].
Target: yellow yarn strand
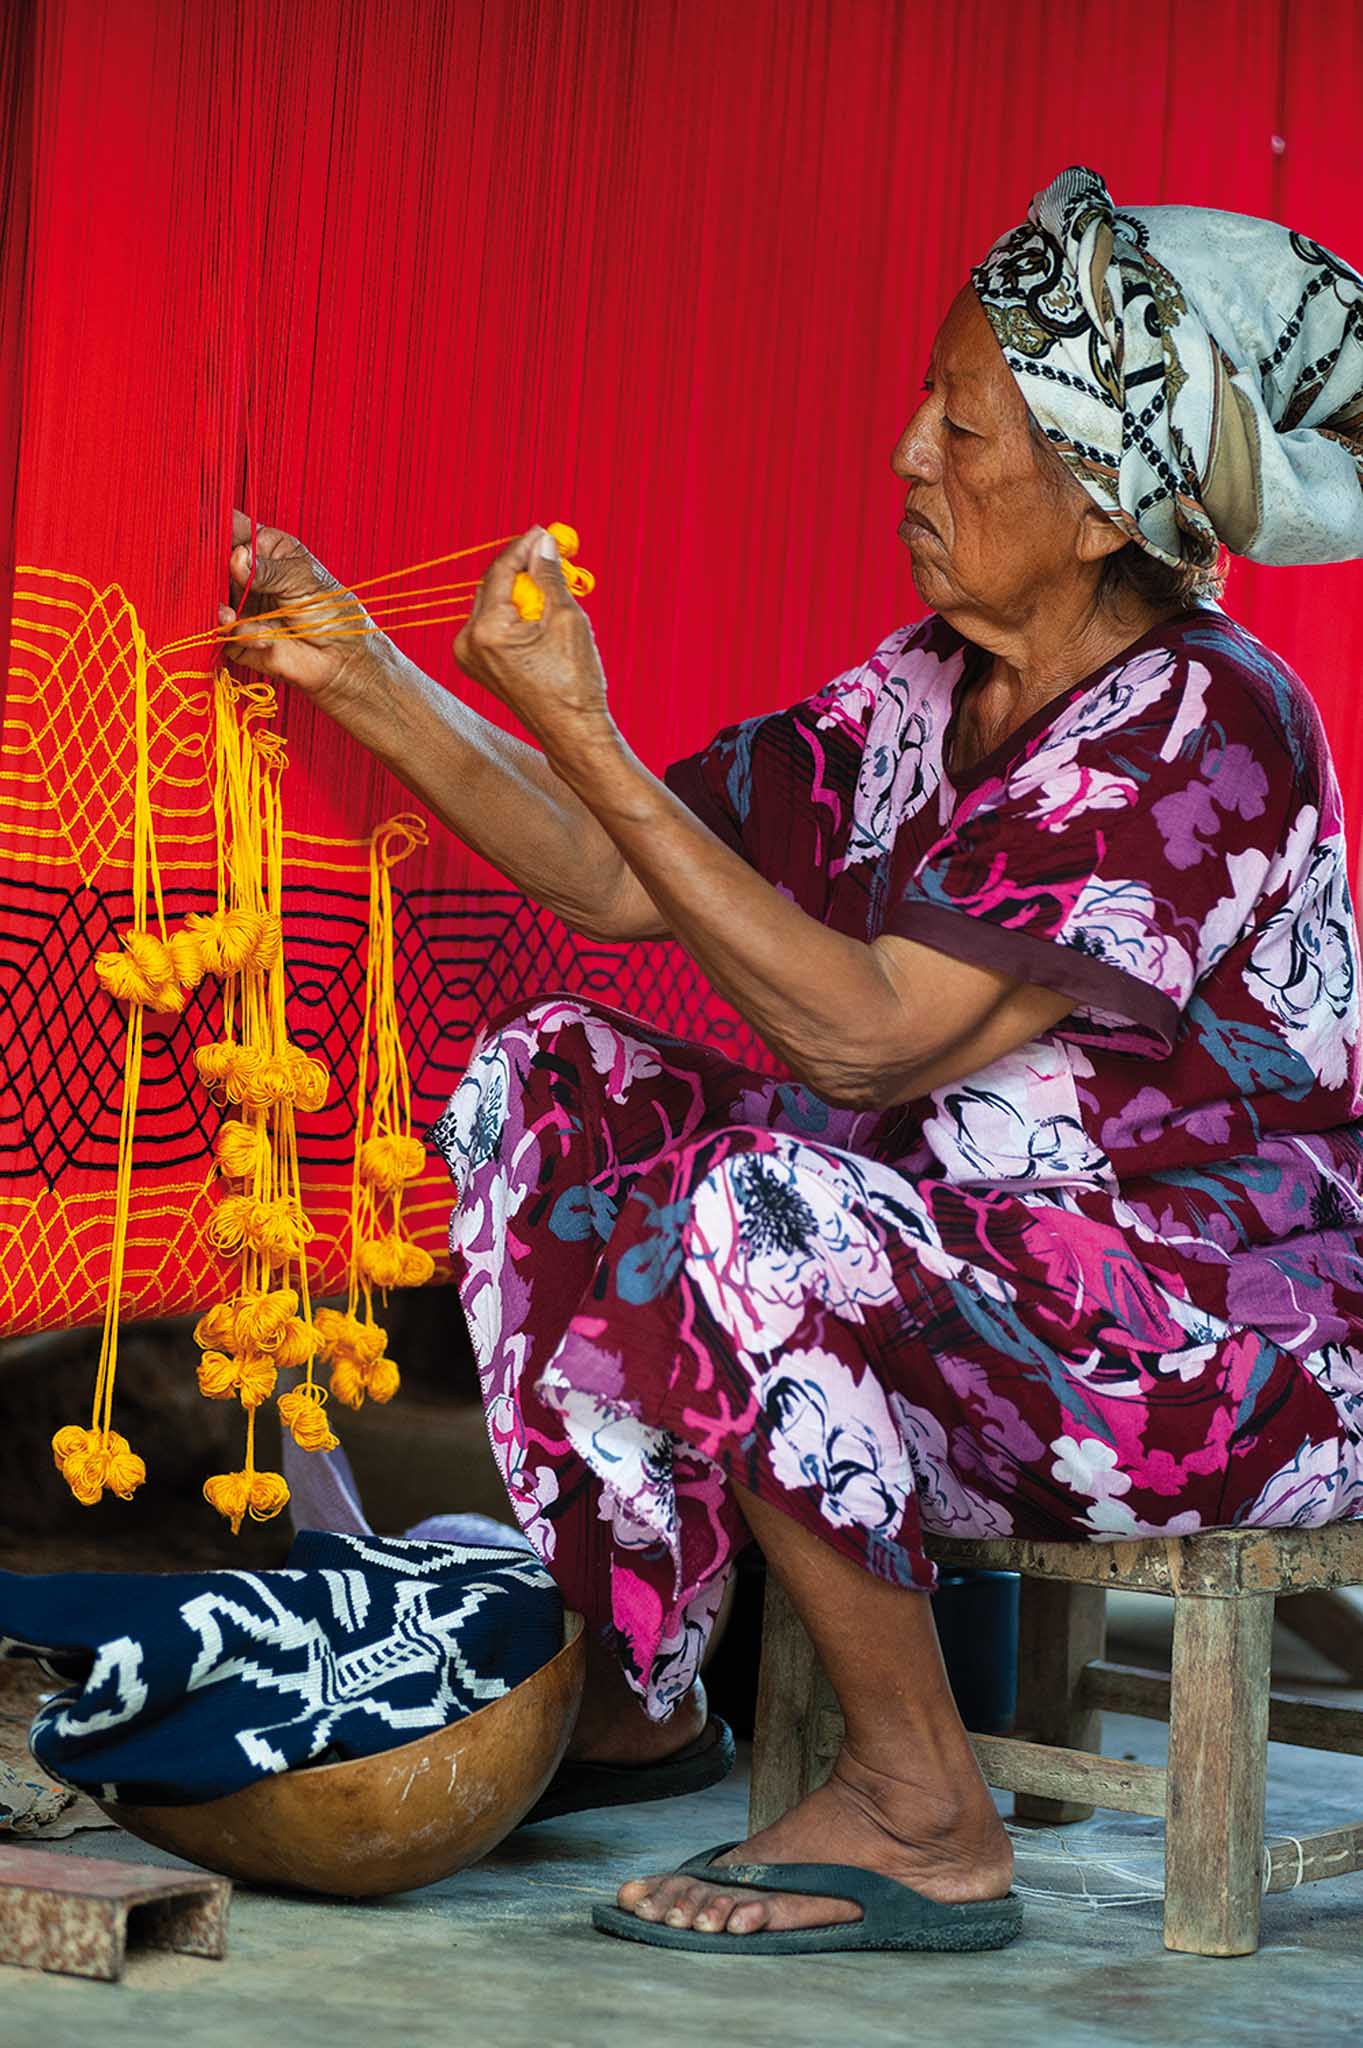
[387,1156]
[383,608]
[97,1458]
[266,1327]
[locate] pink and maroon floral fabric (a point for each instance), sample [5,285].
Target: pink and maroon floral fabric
[1108,1286]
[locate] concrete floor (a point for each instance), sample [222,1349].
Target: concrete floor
[503,1956]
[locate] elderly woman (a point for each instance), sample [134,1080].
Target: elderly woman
[1054,1226]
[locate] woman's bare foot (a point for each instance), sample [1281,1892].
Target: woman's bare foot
[953,1851]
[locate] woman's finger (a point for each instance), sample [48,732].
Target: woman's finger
[238,569]
[268,539]
[547,570]
[502,571]
[500,580]
[243,630]
[246,648]
[253,547]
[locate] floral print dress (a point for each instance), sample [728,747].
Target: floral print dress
[1109,1286]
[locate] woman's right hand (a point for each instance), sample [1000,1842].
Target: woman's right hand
[298,624]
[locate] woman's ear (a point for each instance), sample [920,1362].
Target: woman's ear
[1097,535]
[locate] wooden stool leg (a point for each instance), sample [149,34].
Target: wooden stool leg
[1218,1736]
[1061,1628]
[797,1727]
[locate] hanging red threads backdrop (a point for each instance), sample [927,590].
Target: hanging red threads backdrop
[408,277]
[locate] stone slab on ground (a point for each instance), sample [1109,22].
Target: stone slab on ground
[79,1915]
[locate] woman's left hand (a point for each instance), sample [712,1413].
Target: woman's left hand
[546,670]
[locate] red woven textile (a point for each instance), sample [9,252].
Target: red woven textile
[402,279]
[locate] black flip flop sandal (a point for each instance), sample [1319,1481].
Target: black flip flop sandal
[893,1915]
[579,1787]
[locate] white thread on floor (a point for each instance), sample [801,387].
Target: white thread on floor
[1059,1853]
[1103,1870]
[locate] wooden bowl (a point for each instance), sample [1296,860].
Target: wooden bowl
[386,1823]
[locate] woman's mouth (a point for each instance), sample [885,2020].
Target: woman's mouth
[913,526]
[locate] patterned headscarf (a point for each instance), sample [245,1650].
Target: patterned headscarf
[1201,373]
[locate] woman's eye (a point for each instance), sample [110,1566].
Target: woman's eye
[952,426]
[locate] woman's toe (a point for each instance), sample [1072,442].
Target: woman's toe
[683,1902]
[648,1898]
[658,1898]
[686,1902]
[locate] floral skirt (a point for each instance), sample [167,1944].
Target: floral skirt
[678,1273]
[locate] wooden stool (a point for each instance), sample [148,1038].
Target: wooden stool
[1220,1710]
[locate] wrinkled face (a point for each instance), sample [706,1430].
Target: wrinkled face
[990,525]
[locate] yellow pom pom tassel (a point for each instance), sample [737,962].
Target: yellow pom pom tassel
[394,1261]
[217,1376]
[228,941]
[259,1080]
[235,1495]
[227,1226]
[277,1230]
[384,1380]
[144,972]
[186,958]
[353,1379]
[216,1327]
[343,1335]
[256,1376]
[259,1321]
[214,1062]
[249,1375]
[126,1471]
[298,1344]
[355,1353]
[263,1080]
[92,1460]
[243,940]
[389,1162]
[309,1079]
[240,1150]
[304,1416]
[349,1382]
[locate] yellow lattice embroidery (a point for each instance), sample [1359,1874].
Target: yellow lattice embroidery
[69,767]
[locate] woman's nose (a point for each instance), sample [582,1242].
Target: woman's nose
[916,458]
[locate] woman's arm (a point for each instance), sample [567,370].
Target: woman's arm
[866,1025]
[498,795]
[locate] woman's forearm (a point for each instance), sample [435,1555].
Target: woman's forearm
[819,999]
[495,792]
